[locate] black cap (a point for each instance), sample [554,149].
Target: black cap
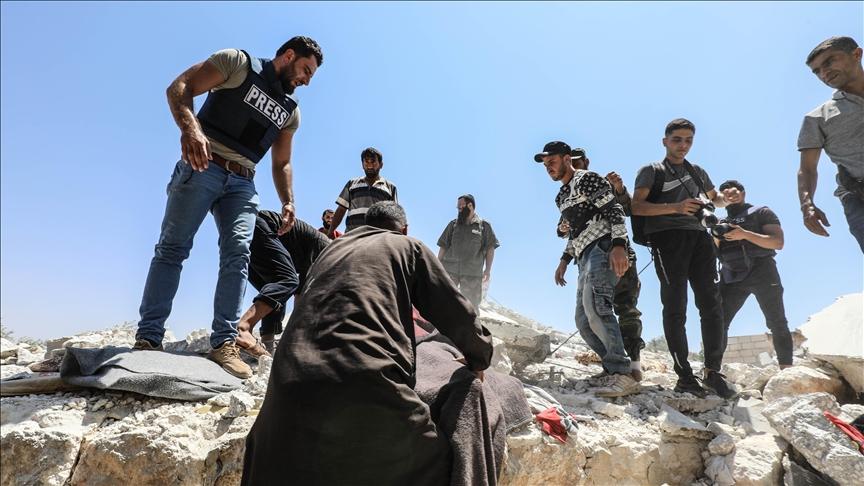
[731,183]
[468,199]
[559,148]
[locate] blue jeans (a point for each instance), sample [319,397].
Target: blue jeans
[853,207]
[594,308]
[234,203]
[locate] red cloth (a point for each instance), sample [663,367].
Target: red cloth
[550,422]
[852,432]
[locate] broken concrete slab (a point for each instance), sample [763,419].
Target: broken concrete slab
[799,380]
[800,420]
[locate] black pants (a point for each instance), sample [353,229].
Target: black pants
[683,256]
[629,317]
[272,273]
[764,283]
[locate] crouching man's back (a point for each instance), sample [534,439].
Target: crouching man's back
[340,408]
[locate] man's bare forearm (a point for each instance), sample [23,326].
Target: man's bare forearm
[180,102]
[645,208]
[807,181]
[283,181]
[490,256]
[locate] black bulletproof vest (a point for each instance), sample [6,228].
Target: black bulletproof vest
[735,251]
[248,118]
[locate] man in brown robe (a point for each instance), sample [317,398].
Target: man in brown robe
[340,407]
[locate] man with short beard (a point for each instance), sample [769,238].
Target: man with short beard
[598,241]
[326,219]
[361,193]
[249,108]
[837,126]
[627,290]
[467,243]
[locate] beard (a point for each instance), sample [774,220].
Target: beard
[462,217]
[372,173]
[287,78]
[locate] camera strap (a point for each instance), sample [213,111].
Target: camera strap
[690,170]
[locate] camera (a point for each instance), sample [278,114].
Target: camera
[706,215]
[709,220]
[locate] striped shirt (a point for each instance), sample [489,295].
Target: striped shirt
[358,196]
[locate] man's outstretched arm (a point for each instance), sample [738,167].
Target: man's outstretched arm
[808,176]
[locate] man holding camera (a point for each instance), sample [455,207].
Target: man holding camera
[676,200]
[750,236]
[837,126]
[626,296]
[598,240]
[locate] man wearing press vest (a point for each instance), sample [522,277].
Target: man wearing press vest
[676,200]
[249,108]
[750,236]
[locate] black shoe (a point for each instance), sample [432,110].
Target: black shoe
[715,382]
[690,384]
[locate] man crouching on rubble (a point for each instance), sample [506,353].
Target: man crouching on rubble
[340,407]
[598,240]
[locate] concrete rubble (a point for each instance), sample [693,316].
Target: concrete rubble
[775,430]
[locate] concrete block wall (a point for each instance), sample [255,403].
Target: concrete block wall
[746,349]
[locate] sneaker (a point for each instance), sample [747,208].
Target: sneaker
[690,384]
[715,382]
[618,386]
[145,345]
[228,357]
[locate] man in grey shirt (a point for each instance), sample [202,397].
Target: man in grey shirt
[837,126]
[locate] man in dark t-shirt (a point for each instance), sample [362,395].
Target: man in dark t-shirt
[684,253]
[277,268]
[748,266]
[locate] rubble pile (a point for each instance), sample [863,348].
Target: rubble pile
[774,431]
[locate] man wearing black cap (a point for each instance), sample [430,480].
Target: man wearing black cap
[626,297]
[748,266]
[598,240]
[467,243]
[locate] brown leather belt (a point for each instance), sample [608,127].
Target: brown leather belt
[232,167]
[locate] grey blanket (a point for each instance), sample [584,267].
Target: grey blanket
[475,417]
[179,376]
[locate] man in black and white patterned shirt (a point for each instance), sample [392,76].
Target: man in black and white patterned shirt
[598,240]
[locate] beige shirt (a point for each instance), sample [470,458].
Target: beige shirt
[234,66]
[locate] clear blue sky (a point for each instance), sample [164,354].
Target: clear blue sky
[457,96]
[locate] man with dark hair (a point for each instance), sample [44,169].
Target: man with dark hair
[326,219]
[627,290]
[598,240]
[341,406]
[249,108]
[836,126]
[748,267]
[277,268]
[672,195]
[467,243]
[361,193]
